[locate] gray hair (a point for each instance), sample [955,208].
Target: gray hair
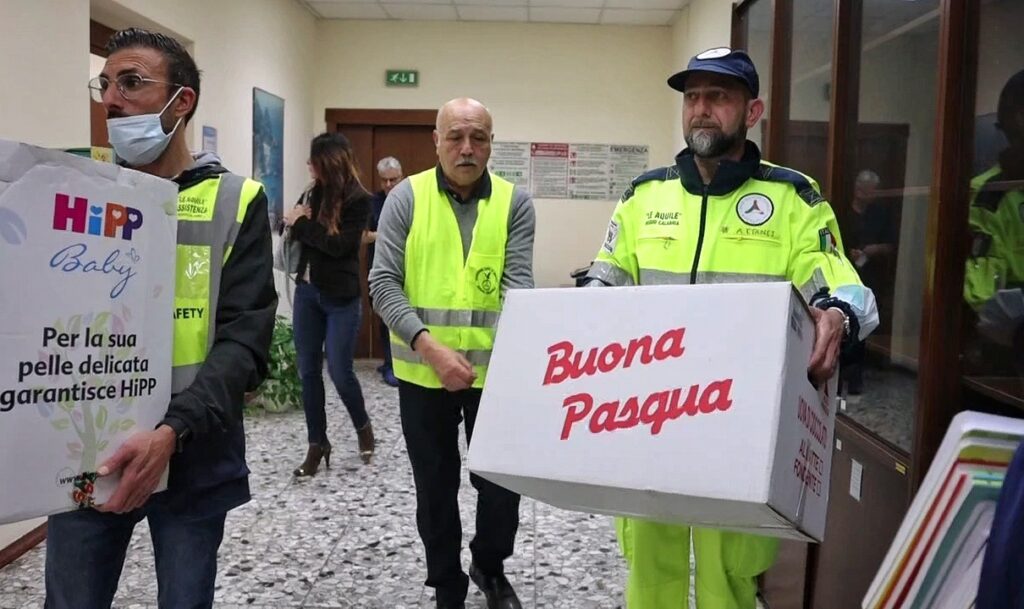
[868,177]
[388,162]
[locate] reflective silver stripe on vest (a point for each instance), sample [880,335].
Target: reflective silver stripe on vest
[458,317]
[198,232]
[404,353]
[814,285]
[656,277]
[716,277]
[219,234]
[609,274]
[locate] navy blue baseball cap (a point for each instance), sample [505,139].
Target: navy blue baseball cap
[721,60]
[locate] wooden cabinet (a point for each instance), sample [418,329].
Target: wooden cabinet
[868,495]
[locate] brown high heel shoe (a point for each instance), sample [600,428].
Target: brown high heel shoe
[366,442]
[312,462]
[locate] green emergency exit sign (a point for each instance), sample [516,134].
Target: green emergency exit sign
[402,78]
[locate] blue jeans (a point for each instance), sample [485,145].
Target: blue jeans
[85,551]
[318,321]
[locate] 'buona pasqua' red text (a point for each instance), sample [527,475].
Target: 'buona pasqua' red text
[654,410]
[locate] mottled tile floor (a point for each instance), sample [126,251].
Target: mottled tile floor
[347,537]
[887,406]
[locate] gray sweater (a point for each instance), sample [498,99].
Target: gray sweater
[387,277]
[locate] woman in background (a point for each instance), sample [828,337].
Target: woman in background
[329,222]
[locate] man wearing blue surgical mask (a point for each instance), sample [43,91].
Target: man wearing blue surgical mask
[224,307]
[147,96]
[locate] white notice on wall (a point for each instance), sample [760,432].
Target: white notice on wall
[511,160]
[625,163]
[569,171]
[549,170]
[588,171]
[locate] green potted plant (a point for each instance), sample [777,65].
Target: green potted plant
[282,388]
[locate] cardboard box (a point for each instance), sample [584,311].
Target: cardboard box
[87,275]
[686,404]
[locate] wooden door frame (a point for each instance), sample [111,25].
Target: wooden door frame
[99,34]
[940,383]
[373,117]
[387,118]
[370,118]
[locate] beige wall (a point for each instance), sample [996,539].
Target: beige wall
[238,45]
[554,83]
[702,25]
[45,49]
[682,50]
[55,115]
[9,533]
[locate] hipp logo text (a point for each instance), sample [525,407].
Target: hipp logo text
[75,214]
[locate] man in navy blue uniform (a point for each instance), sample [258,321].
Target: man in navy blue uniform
[390,172]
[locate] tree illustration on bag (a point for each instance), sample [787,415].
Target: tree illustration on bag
[95,423]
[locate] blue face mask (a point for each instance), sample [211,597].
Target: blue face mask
[862,300]
[139,140]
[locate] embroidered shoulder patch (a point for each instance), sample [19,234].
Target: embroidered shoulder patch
[612,238]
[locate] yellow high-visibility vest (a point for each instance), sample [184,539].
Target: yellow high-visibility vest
[210,214]
[766,230]
[457,297]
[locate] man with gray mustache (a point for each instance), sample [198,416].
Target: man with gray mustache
[451,240]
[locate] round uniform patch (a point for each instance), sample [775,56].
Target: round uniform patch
[486,280]
[755,209]
[715,53]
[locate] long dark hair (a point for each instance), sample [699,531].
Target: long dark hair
[330,154]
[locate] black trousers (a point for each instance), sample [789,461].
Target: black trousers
[430,424]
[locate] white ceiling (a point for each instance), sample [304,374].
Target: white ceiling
[608,12]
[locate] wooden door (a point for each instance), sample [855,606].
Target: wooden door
[413,146]
[361,138]
[375,134]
